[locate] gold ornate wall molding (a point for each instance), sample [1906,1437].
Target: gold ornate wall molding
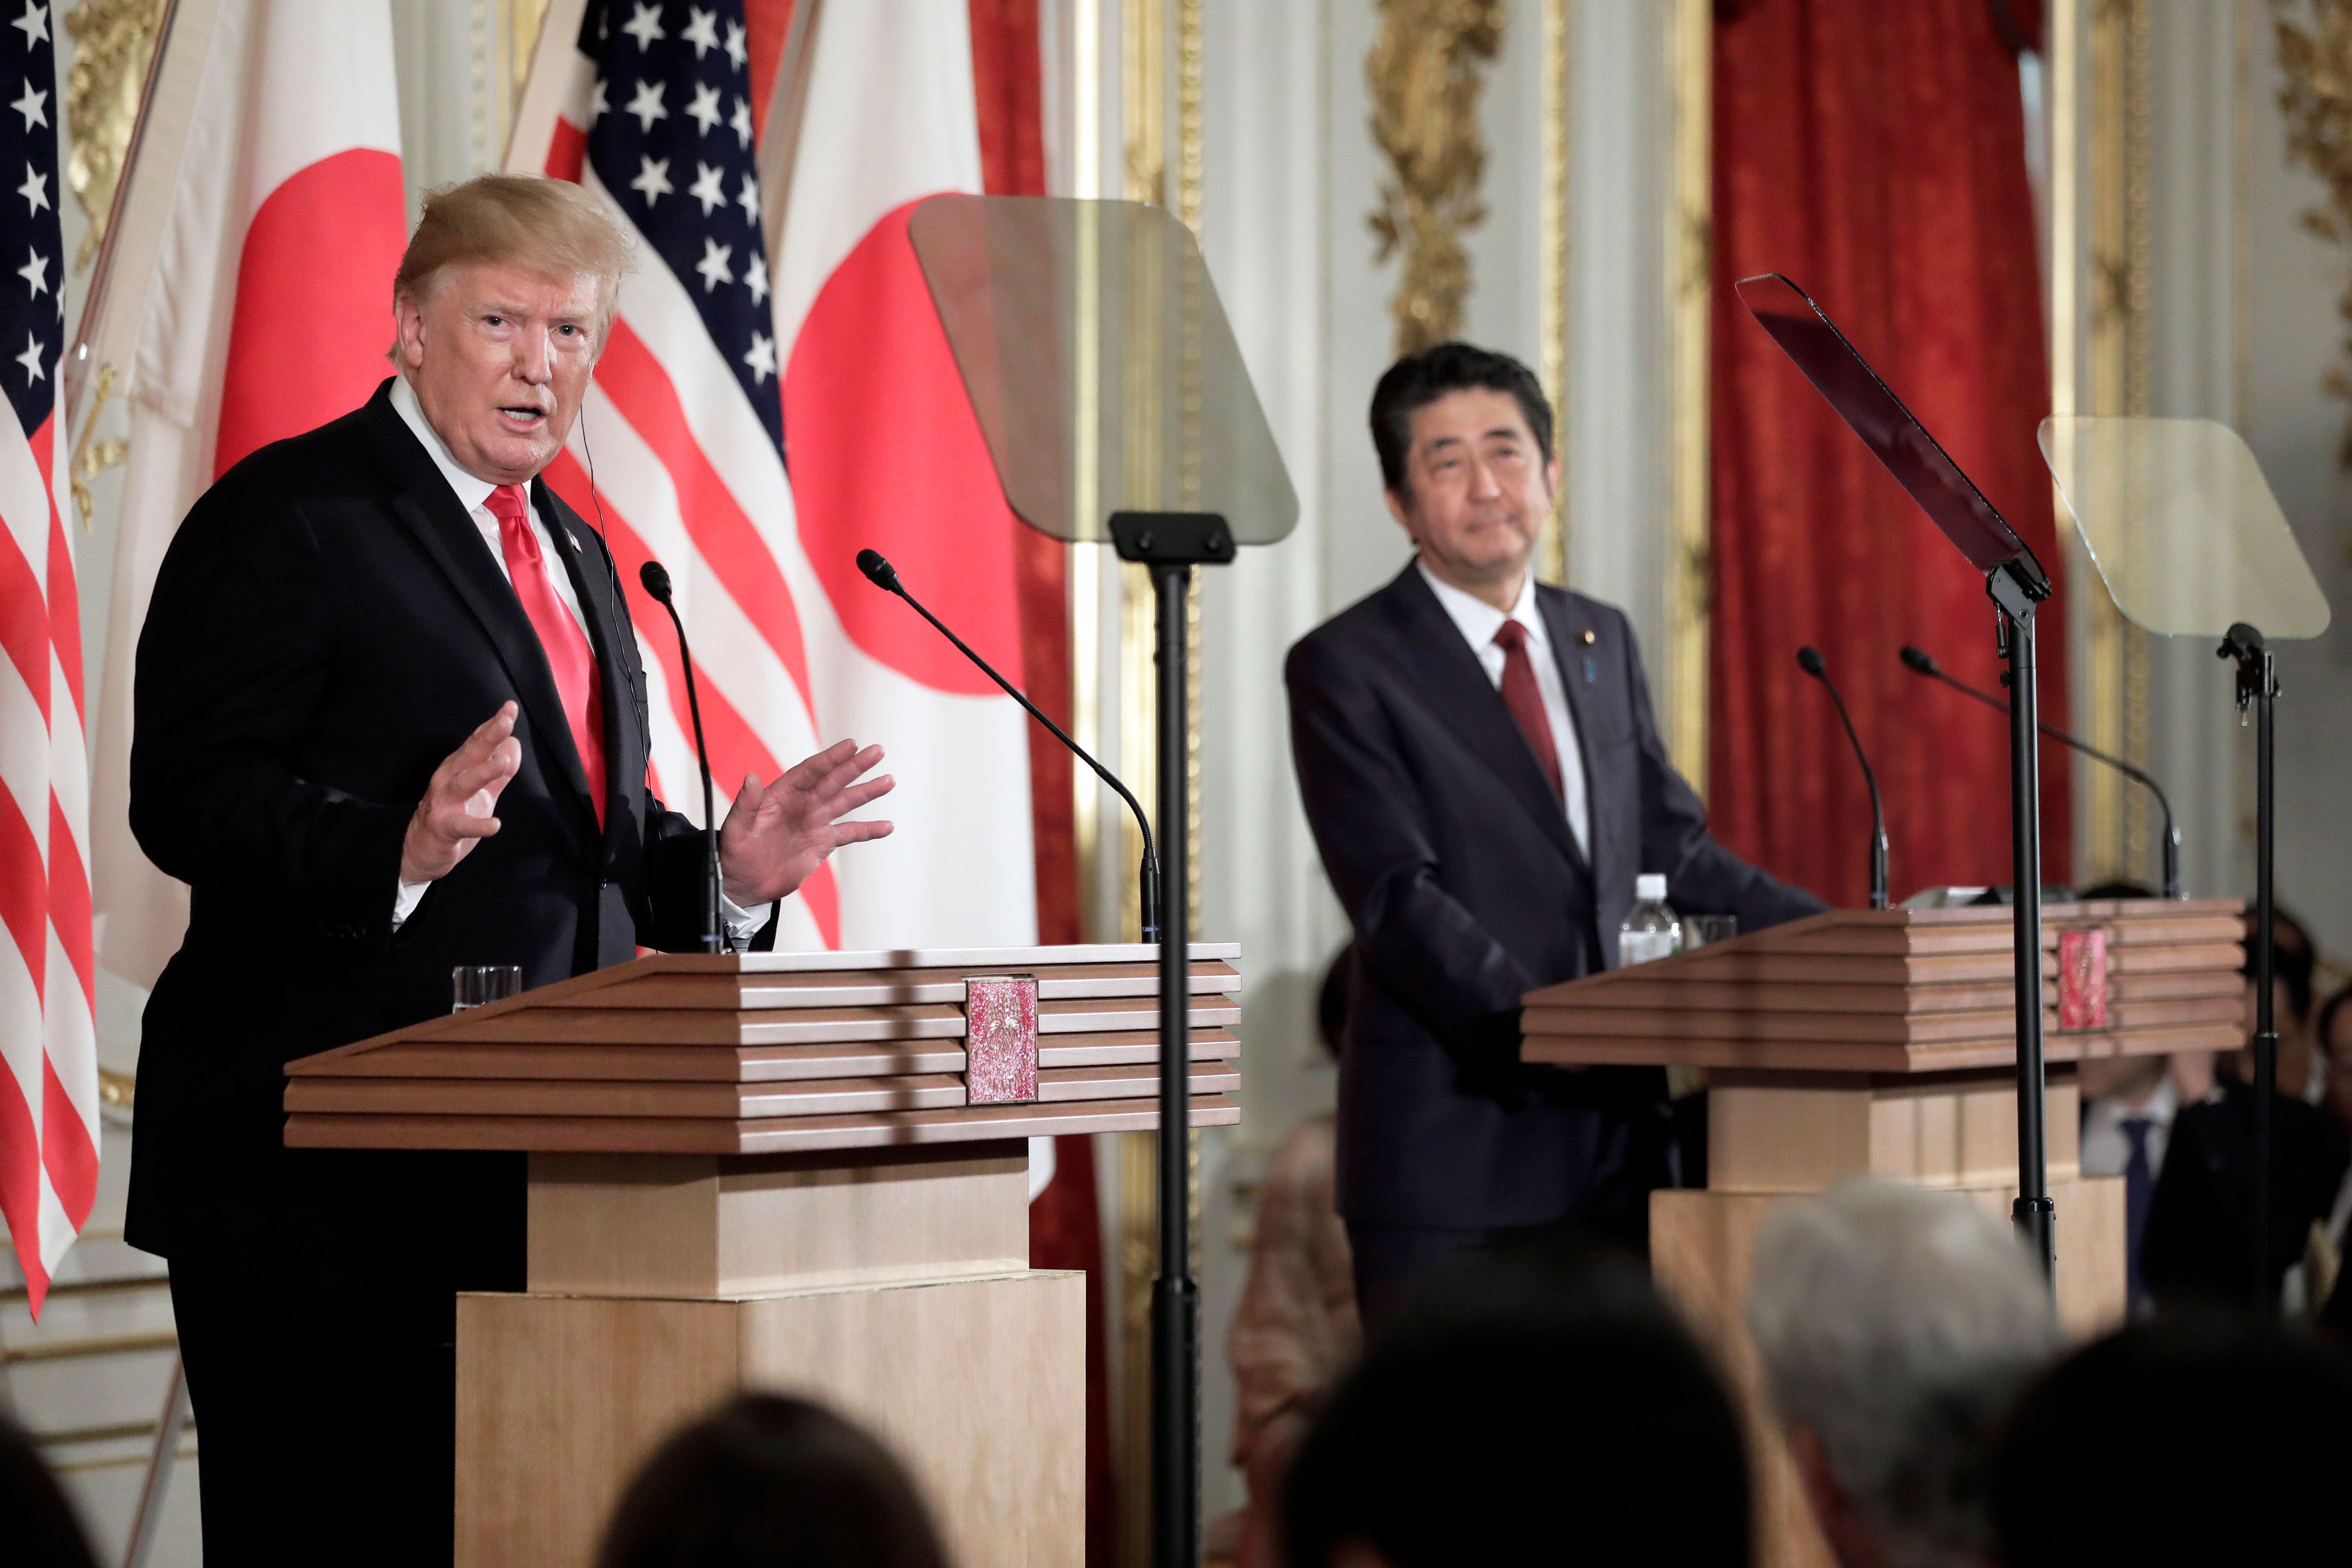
[114,40]
[1551,276]
[1425,72]
[1161,123]
[1689,243]
[2314,52]
[2100,343]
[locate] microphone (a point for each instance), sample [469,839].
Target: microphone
[883,575]
[1809,659]
[1918,660]
[655,577]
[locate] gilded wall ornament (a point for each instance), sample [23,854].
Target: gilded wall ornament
[113,41]
[1424,75]
[2316,101]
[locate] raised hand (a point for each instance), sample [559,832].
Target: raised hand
[456,812]
[775,838]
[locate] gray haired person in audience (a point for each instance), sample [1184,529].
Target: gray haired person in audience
[1896,1326]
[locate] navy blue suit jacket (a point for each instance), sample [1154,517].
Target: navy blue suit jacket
[1467,890]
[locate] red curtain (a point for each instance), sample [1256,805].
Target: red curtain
[1065,1229]
[1873,153]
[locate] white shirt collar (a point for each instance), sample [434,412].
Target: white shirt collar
[2157,1109]
[472,492]
[1478,620]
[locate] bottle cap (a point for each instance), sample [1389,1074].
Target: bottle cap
[1650,887]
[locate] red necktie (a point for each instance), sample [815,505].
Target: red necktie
[569,656]
[1525,699]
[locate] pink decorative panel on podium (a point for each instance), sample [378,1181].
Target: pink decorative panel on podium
[1000,1039]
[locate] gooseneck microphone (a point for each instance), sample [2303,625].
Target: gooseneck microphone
[1918,660]
[655,577]
[884,576]
[1809,659]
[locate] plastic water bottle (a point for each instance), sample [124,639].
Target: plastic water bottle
[1652,929]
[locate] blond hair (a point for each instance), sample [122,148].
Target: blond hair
[552,227]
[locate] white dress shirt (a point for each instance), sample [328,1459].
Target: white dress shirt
[2105,1151]
[1478,621]
[474,494]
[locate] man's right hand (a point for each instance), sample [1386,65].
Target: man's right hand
[457,808]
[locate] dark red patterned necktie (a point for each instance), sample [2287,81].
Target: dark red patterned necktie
[569,656]
[1524,698]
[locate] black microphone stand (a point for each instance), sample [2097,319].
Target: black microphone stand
[1809,659]
[655,578]
[2258,688]
[2016,586]
[1917,660]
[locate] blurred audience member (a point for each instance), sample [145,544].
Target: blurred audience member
[37,1526]
[2324,1261]
[1896,1326]
[770,1482]
[1529,1409]
[2199,1242]
[1295,1329]
[2128,1104]
[2113,1458]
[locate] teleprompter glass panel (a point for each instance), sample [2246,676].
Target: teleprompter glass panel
[1100,364]
[1893,436]
[2182,526]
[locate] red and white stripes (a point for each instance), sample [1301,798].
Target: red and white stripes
[49,1095]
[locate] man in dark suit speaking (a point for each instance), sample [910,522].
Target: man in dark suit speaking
[391,720]
[1484,781]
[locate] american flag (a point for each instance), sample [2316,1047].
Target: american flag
[49,1095]
[685,418]
[694,404]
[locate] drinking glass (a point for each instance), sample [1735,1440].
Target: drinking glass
[1700,930]
[478,984]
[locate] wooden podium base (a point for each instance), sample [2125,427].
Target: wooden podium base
[1773,1137]
[895,1289]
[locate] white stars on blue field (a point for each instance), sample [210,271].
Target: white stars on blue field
[683,67]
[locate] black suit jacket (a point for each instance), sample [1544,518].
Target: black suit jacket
[326,627]
[2198,1247]
[1467,890]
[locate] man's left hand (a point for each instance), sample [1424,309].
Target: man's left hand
[775,838]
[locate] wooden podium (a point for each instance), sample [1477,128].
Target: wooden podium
[803,1172]
[1884,1042]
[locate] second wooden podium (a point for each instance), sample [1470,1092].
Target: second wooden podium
[803,1172]
[1883,1043]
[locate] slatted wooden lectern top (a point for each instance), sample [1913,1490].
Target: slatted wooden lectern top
[796,1171]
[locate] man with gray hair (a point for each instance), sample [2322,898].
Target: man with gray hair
[1894,1325]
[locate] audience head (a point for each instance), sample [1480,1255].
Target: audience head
[770,1482]
[2333,1035]
[2189,1439]
[1540,1407]
[1894,1325]
[37,1520]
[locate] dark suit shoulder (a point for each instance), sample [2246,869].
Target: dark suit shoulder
[1373,619]
[338,457]
[1582,610]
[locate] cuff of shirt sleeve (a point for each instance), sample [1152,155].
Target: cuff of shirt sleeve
[404,901]
[742,924]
